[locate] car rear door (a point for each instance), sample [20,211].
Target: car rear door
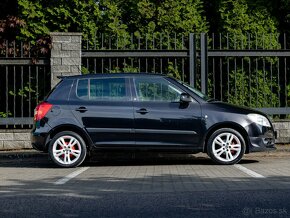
[161,120]
[104,108]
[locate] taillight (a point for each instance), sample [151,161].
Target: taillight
[41,110]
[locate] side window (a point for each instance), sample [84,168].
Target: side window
[82,89]
[103,89]
[112,89]
[152,89]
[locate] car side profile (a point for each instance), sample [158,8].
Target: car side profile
[147,112]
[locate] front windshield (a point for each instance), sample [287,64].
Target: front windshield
[195,91]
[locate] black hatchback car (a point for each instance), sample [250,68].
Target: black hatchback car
[143,112]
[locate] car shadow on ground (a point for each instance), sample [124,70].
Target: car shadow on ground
[119,159]
[144,158]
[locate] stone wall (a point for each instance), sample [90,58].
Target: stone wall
[20,139]
[65,55]
[14,139]
[283,131]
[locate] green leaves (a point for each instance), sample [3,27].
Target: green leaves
[239,20]
[157,25]
[250,26]
[170,16]
[255,90]
[4,114]
[43,17]
[25,92]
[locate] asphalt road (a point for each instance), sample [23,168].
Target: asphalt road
[159,186]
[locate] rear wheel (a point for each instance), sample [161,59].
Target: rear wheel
[67,149]
[226,146]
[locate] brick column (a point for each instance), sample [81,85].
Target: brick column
[65,55]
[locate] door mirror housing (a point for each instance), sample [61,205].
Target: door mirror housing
[185,98]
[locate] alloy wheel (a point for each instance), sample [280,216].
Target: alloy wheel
[226,147]
[67,150]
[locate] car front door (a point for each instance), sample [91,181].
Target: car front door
[104,107]
[161,120]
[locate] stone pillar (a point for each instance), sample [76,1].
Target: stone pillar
[65,55]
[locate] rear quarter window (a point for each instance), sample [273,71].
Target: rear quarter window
[60,91]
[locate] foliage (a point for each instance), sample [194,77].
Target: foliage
[169,16]
[157,24]
[280,9]
[25,92]
[5,114]
[85,70]
[172,71]
[10,30]
[112,22]
[10,27]
[43,17]
[240,21]
[255,90]
[161,22]
[126,69]
[250,26]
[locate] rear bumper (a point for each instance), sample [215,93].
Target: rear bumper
[38,142]
[39,138]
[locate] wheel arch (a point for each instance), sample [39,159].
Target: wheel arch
[72,128]
[231,125]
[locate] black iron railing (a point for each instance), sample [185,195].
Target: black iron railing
[244,70]
[24,81]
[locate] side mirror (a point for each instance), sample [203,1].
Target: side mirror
[185,98]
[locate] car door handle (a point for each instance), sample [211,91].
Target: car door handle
[142,111]
[82,109]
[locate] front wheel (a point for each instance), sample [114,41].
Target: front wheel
[67,149]
[226,146]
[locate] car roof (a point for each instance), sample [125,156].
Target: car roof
[94,75]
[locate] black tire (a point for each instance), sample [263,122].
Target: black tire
[67,149]
[226,146]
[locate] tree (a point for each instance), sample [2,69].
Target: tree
[280,9]
[43,16]
[250,26]
[239,19]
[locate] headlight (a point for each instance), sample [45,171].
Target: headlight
[259,119]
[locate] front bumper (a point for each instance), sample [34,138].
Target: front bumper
[264,142]
[261,144]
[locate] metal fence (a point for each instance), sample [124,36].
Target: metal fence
[24,81]
[158,53]
[248,70]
